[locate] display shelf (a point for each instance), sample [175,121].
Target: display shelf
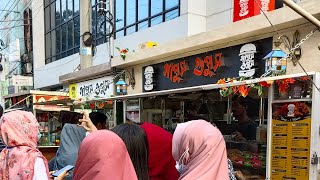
[291,100]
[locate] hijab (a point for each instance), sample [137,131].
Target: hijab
[19,131]
[103,155]
[201,149]
[70,140]
[161,164]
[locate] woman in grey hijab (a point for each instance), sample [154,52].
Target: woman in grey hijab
[67,154]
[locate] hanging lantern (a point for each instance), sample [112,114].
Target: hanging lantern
[272,59]
[121,86]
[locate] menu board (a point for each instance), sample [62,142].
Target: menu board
[290,149]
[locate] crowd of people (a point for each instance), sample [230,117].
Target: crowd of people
[130,151]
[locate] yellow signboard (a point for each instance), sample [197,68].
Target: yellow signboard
[290,148]
[73,91]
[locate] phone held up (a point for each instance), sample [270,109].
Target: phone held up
[67,168]
[70,117]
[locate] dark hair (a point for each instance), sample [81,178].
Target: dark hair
[1,111]
[251,104]
[136,142]
[98,117]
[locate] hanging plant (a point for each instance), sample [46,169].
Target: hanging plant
[92,105]
[284,84]
[109,102]
[242,90]
[224,92]
[123,52]
[101,105]
[304,78]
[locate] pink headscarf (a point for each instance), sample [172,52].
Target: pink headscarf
[103,155]
[206,157]
[19,131]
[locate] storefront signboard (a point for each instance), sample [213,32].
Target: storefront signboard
[243,60]
[18,80]
[248,8]
[97,88]
[290,148]
[148,75]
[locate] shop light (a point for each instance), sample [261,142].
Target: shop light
[121,86]
[271,61]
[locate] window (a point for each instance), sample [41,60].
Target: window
[136,15]
[62,28]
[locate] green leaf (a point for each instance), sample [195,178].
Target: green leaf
[226,92]
[258,87]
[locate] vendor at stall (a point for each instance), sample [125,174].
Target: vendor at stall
[244,110]
[192,113]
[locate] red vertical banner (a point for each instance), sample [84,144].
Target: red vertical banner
[248,8]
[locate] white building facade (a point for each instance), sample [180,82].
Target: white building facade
[56,33]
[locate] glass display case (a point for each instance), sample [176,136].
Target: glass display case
[49,128]
[248,157]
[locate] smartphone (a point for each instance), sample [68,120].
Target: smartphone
[70,117]
[67,168]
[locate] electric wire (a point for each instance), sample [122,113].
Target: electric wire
[287,46]
[5,7]
[29,4]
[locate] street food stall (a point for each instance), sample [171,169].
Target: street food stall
[286,129]
[278,136]
[43,105]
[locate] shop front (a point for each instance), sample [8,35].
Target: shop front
[269,123]
[40,103]
[85,93]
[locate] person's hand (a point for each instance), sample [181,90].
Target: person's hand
[62,176]
[86,123]
[50,174]
[238,136]
[239,175]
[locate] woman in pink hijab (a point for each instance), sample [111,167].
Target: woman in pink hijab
[200,151]
[21,158]
[103,155]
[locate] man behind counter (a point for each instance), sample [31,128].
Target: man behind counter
[192,113]
[244,110]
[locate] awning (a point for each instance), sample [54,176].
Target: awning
[29,92]
[66,101]
[201,88]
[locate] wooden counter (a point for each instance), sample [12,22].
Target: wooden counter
[48,151]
